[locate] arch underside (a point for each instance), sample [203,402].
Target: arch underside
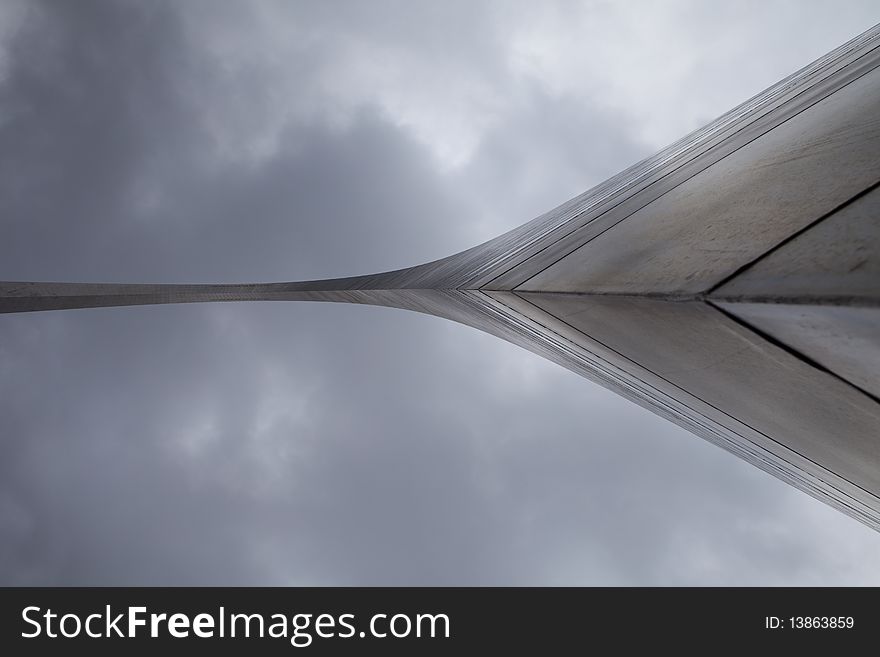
[730,283]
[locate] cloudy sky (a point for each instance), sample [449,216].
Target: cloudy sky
[320,444]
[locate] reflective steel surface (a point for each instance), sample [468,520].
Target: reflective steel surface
[730,283]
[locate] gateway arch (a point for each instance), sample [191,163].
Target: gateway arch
[729,283]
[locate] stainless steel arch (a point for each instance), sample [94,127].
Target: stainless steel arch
[730,283]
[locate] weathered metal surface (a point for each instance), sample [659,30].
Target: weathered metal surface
[843,339]
[819,293]
[834,262]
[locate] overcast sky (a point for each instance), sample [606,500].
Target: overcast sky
[295,443]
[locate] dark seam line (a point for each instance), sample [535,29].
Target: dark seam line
[790,350]
[771,439]
[818,301]
[669,173]
[793,236]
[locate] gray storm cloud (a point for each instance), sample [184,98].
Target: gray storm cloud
[314,444]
